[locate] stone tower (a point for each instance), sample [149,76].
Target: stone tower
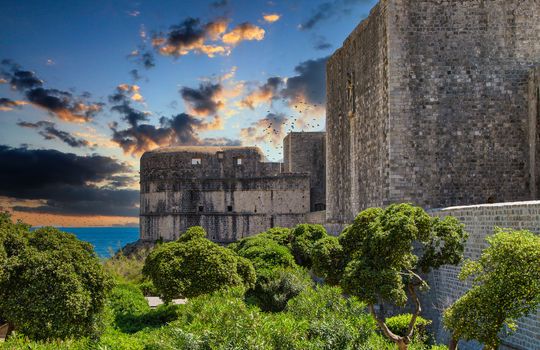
[432,102]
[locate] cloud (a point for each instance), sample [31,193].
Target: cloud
[59,103]
[271,17]
[309,85]
[242,32]
[330,9]
[321,43]
[210,38]
[50,132]
[65,183]
[190,36]
[263,94]
[133,90]
[7,104]
[181,129]
[135,74]
[133,13]
[204,100]
[271,129]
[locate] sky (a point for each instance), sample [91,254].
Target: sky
[86,87]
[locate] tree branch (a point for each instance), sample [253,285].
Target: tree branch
[417,311]
[395,338]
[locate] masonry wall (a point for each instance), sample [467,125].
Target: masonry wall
[534,130]
[305,152]
[226,190]
[357,120]
[458,100]
[446,287]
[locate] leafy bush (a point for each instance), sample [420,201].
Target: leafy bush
[303,239]
[399,325]
[328,260]
[193,232]
[126,269]
[194,267]
[57,279]
[264,253]
[274,288]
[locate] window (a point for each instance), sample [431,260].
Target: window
[201,208]
[196,161]
[238,161]
[229,208]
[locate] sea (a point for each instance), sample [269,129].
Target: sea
[106,240]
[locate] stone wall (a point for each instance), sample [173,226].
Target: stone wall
[446,288]
[305,152]
[357,120]
[428,102]
[227,190]
[534,130]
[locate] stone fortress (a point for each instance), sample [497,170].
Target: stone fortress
[432,102]
[230,191]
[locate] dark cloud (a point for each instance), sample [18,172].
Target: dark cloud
[62,104]
[50,132]
[271,129]
[309,85]
[135,74]
[204,100]
[147,60]
[330,9]
[67,183]
[320,43]
[7,104]
[265,93]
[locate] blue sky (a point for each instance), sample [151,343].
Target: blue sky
[85,53]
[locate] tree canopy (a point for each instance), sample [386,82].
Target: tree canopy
[376,260]
[505,286]
[195,266]
[52,285]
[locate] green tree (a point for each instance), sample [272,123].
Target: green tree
[194,267]
[264,253]
[377,263]
[192,233]
[505,287]
[52,285]
[303,239]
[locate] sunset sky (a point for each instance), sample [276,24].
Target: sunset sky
[87,86]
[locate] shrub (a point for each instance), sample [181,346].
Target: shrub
[57,278]
[264,253]
[193,232]
[328,260]
[274,288]
[399,325]
[126,269]
[195,267]
[303,239]
[127,299]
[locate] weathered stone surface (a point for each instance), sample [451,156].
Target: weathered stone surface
[305,152]
[428,102]
[230,191]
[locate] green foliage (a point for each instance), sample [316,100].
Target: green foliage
[280,235]
[53,285]
[126,269]
[334,322]
[506,286]
[127,299]
[274,288]
[400,325]
[194,232]
[379,256]
[303,239]
[195,267]
[328,260]
[264,253]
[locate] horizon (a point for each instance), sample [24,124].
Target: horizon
[102,83]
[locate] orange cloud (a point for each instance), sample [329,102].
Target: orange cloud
[271,17]
[242,32]
[9,105]
[134,90]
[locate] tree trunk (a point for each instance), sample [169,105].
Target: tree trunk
[453,344]
[402,345]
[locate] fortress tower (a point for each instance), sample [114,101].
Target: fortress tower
[435,103]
